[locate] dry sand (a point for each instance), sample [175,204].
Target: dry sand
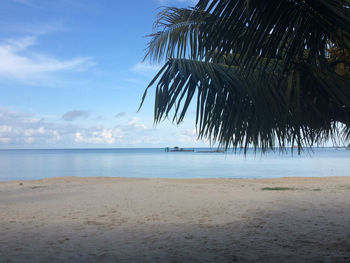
[165,220]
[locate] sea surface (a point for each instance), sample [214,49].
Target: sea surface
[156,163]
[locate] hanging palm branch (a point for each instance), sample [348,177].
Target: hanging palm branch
[262,72]
[293,30]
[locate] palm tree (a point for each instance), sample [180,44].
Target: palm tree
[263,73]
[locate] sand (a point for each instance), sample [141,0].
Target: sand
[165,220]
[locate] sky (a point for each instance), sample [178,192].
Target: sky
[72,76]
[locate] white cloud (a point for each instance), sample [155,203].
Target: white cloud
[39,131]
[104,136]
[189,133]
[132,132]
[145,68]
[135,124]
[5,140]
[23,130]
[29,140]
[18,63]
[5,129]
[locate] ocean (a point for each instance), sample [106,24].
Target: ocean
[156,163]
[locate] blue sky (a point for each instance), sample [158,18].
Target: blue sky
[71,75]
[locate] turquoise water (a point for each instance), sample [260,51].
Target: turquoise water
[156,163]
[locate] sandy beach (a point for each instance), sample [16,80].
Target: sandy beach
[73,219]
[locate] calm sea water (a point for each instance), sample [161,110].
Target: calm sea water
[156,163]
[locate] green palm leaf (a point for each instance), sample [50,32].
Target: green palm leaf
[264,73]
[236,112]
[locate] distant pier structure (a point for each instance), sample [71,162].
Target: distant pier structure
[178,149]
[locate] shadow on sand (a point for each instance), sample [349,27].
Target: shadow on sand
[263,236]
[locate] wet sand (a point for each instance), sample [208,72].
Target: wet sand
[73,219]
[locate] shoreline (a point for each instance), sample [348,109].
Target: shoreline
[85,178]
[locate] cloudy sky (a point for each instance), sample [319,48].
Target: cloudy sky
[71,75]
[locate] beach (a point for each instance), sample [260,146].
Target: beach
[78,219]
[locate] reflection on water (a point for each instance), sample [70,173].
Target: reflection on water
[36,164]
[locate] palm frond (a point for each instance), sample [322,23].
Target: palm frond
[239,113]
[264,73]
[294,30]
[178,34]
